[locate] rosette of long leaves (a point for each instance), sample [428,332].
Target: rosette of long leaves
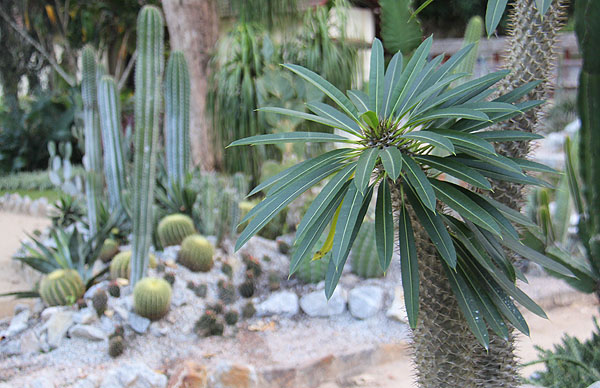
[422,145]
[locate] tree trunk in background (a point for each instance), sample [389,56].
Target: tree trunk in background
[193,29]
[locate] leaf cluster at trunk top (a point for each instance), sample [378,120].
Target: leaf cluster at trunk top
[423,143]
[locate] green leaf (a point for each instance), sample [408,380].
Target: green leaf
[341,121]
[364,168]
[535,256]
[465,206]
[376,76]
[291,137]
[467,141]
[432,138]
[528,165]
[370,118]
[360,99]
[543,6]
[326,87]
[493,14]
[419,182]
[457,170]
[384,225]
[334,272]
[505,305]
[391,158]
[507,135]
[409,95]
[434,227]
[510,213]
[469,305]
[502,221]
[328,194]
[490,107]
[572,177]
[392,76]
[515,94]
[472,125]
[490,163]
[448,113]
[300,115]
[348,218]
[409,264]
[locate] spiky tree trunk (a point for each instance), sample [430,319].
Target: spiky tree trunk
[531,57]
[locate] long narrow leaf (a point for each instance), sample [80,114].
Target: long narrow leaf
[419,182]
[351,206]
[409,263]
[457,170]
[384,225]
[493,14]
[376,77]
[432,138]
[291,137]
[392,76]
[391,158]
[364,168]
[341,120]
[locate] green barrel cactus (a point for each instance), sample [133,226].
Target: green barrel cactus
[120,266]
[365,262]
[109,249]
[152,298]
[196,253]
[62,287]
[313,271]
[174,228]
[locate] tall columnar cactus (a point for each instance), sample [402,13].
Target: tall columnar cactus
[148,76]
[177,118]
[110,120]
[365,262]
[587,26]
[92,159]
[473,34]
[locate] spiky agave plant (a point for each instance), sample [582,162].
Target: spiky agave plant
[458,282]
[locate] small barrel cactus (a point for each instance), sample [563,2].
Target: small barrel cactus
[226,292]
[109,249]
[248,311]
[114,290]
[313,271]
[120,266]
[231,317]
[99,302]
[196,253]
[170,278]
[61,287]
[365,261]
[227,269]
[116,346]
[248,287]
[274,281]
[173,228]
[152,298]
[253,265]
[208,325]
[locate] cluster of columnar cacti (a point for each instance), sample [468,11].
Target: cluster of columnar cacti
[587,14]
[174,228]
[92,159]
[177,118]
[226,292]
[365,262]
[152,298]
[61,287]
[109,249]
[196,253]
[473,34]
[148,76]
[209,324]
[120,266]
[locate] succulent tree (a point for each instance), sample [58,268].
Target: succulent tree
[458,282]
[148,84]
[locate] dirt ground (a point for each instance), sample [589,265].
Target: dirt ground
[13,228]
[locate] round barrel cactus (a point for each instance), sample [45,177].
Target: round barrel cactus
[151,298]
[196,253]
[120,266]
[174,228]
[109,249]
[61,287]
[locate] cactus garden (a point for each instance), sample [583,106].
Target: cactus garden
[291,193]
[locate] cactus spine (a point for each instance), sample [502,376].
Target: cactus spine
[152,298]
[93,149]
[174,228]
[196,253]
[587,14]
[177,118]
[61,287]
[365,262]
[148,77]
[110,120]
[473,34]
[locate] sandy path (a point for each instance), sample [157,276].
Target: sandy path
[13,228]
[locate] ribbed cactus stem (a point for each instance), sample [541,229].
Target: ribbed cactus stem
[148,76]
[110,120]
[177,118]
[93,147]
[473,34]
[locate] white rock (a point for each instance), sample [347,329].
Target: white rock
[397,310]
[179,297]
[10,348]
[138,323]
[134,375]
[279,303]
[18,323]
[85,316]
[57,327]
[595,385]
[103,285]
[85,383]
[87,332]
[41,382]
[316,304]
[157,330]
[50,311]
[365,301]
[30,343]
[20,307]
[122,312]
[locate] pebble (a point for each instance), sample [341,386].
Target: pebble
[134,374]
[50,311]
[315,304]
[87,332]
[365,301]
[57,327]
[18,323]
[138,323]
[10,348]
[85,316]
[595,385]
[228,375]
[279,303]
[157,330]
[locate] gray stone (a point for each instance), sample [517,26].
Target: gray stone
[316,304]
[30,343]
[57,327]
[10,348]
[138,323]
[228,375]
[133,375]
[595,385]
[397,310]
[50,311]
[103,285]
[121,312]
[20,307]
[107,324]
[157,330]
[179,297]
[18,323]
[365,301]
[87,332]
[85,316]
[279,303]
